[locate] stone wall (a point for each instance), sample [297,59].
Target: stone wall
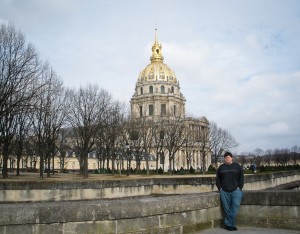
[103,189]
[270,180]
[274,209]
[183,213]
[142,214]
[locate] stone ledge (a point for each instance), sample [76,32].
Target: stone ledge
[272,198]
[167,181]
[43,191]
[111,183]
[150,214]
[281,217]
[104,209]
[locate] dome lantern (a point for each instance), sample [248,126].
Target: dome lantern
[156,51]
[157,70]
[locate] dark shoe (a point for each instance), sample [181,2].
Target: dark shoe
[228,228]
[234,229]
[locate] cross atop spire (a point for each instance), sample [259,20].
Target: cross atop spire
[155,34]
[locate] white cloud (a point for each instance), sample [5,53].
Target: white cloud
[237,62]
[253,42]
[279,128]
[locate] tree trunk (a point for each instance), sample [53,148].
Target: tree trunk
[147,165]
[170,165]
[85,167]
[4,169]
[41,166]
[53,164]
[18,166]
[49,167]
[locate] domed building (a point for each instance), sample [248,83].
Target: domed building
[157,91]
[157,99]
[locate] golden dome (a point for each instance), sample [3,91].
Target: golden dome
[157,70]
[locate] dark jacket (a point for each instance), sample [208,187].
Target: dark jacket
[230,177]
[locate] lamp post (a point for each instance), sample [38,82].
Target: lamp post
[127,147]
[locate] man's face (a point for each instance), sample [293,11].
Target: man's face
[228,160]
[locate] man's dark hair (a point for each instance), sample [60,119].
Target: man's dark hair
[227,154]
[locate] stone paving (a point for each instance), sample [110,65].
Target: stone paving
[249,230]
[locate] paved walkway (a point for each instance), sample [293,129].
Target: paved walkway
[249,230]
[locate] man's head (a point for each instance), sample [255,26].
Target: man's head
[228,158]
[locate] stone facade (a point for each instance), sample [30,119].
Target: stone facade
[157,97]
[157,92]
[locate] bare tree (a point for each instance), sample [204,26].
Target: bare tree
[146,133]
[220,140]
[135,143]
[87,112]
[19,70]
[174,139]
[189,146]
[63,146]
[268,156]
[282,156]
[203,139]
[215,141]
[114,129]
[258,153]
[294,152]
[48,117]
[23,126]
[158,143]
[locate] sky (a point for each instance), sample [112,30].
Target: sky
[237,62]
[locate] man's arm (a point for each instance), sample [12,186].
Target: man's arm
[218,179]
[241,180]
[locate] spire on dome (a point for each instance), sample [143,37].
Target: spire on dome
[156,51]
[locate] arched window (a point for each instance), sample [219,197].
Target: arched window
[161,158]
[141,111]
[172,89]
[141,90]
[151,89]
[162,89]
[151,110]
[163,109]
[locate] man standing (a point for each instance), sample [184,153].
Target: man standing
[230,182]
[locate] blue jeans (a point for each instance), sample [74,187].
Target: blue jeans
[231,203]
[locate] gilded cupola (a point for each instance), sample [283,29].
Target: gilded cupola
[157,70]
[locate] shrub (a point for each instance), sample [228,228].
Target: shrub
[211,168]
[192,170]
[160,171]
